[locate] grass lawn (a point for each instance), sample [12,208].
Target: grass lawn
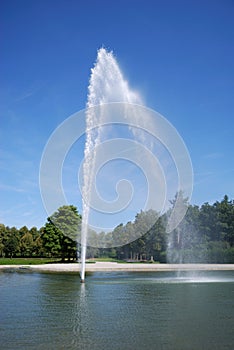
[40,261]
[121,261]
[27,261]
[105,260]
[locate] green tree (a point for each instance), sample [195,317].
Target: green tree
[12,242]
[38,248]
[26,245]
[208,220]
[156,240]
[61,232]
[225,215]
[3,233]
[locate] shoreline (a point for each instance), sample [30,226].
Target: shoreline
[116,267]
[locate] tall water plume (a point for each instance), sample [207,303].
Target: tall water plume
[106,85]
[117,127]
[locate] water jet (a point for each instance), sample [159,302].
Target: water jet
[106,85]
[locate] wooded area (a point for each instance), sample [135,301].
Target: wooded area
[206,234]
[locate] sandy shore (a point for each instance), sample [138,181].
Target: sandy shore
[112,266]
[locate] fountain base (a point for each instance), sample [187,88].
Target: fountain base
[82,280]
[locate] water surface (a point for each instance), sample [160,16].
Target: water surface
[161,310]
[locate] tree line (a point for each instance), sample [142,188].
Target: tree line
[206,234]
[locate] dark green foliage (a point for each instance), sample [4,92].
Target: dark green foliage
[61,232]
[205,235]
[12,242]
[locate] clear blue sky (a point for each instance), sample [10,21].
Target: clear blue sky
[178,54]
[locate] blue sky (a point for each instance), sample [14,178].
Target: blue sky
[178,54]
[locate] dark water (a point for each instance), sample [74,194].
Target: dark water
[117,311]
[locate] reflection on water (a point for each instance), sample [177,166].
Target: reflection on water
[117,311]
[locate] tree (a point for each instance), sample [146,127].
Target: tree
[3,233]
[208,220]
[26,245]
[61,232]
[12,242]
[225,214]
[38,248]
[156,243]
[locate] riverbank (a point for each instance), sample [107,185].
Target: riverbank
[114,266]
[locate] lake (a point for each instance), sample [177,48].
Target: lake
[121,310]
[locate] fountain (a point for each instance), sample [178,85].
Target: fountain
[145,139]
[106,85]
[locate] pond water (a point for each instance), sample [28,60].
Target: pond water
[117,311]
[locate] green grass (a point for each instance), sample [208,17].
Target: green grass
[121,261]
[27,261]
[106,260]
[40,261]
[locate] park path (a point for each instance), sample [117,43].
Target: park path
[114,266]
